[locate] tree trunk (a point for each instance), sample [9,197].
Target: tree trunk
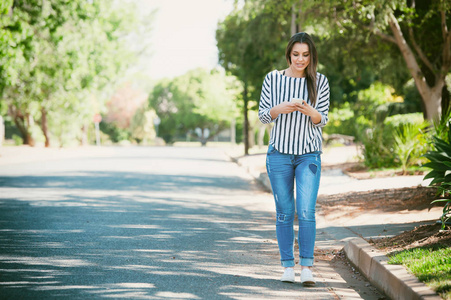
[296,24]
[26,136]
[434,105]
[233,131]
[44,127]
[445,99]
[299,22]
[293,20]
[246,120]
[431,95]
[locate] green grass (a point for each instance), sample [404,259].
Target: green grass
[430,265]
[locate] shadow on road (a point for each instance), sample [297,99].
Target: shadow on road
[137,235]
[132,235]
[126,181]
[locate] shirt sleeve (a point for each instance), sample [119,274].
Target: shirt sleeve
[323,101]
[265,102]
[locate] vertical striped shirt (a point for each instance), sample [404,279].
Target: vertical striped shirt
[293,133]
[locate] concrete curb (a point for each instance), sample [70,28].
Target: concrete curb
[393,280]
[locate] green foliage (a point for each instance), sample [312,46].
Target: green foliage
[388,140]
[353,62]
[60,60]
[440,164]
[377,147]
[198,99]
[373,103]
[397,121]
[410,142]
[446,212]
[372,24]
[251,42]
[142,127]
[5,6]
[342,120]
[400,140]
[430,265]
[17,140]
[412,99]
[115,133]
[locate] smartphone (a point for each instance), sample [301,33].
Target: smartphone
[298,100]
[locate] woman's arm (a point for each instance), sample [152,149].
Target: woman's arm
[265,104]
[319,115]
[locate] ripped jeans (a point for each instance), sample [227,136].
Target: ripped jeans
[282,170]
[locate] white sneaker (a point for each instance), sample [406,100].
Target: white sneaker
[288,275]
[307,277]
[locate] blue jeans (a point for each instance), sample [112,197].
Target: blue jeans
[282,170]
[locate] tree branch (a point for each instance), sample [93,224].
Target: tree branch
[409,57]
[385,36]
[376,31]
[420,53]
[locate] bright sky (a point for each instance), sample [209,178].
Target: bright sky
[183,36]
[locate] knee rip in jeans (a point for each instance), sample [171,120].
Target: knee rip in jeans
[281,218]
[313,168]
[306,215]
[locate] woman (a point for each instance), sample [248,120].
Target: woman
[297,101]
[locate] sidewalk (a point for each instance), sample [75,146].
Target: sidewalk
[347,227]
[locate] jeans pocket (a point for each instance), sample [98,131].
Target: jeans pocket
[271,149]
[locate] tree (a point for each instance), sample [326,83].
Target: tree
[251,42]
[142,127]
[123,105]
[65,55]
[420,30]
[353,63]
[198,99]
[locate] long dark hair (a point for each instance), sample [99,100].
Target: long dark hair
[303,37]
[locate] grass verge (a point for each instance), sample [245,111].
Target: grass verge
[431,265]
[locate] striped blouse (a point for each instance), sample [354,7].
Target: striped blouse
[293,133]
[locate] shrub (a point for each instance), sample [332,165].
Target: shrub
[400,141]
[17,140]
[377,147]
[115,133]
[397,121]
[410,144]
[373,102]
[410,138]
[440,164]
[342,121]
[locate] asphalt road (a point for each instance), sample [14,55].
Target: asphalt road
[140,223]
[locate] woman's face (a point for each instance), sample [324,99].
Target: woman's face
[300,57]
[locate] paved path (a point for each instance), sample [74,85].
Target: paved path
[142,223]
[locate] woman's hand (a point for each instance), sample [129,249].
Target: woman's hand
[283,108]
[308,110]
[289,107]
